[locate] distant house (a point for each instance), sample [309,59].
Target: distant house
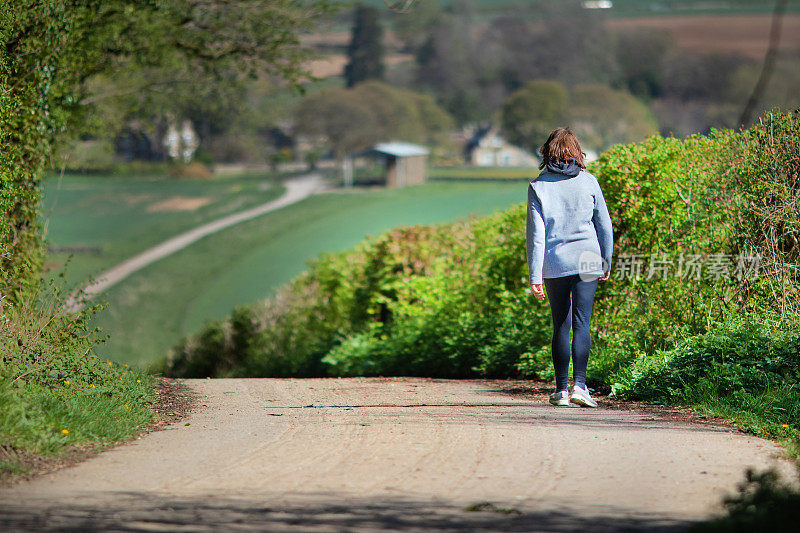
[598,4]
[486,148]
[404,163]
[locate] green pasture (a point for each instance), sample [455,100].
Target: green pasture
[518,174]
[102,220]
[148,312]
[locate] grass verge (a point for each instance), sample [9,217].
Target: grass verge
[57,399]
[45,426]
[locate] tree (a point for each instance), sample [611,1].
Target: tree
[602,117]
[573,45]
[354,119]
[365,51]
[451,65]
[532,112]
[640,54]
[50,50]
[414,25]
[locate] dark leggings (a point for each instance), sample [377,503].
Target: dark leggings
[577,314]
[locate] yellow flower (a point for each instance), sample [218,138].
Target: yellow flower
[784,425]
[138,381]
[109,363]
[126,365]
[65,431]
[91,385]
[66,382]
[127,407]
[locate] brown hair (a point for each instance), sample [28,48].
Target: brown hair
[562,144]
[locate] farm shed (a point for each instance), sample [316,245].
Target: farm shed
[404,163]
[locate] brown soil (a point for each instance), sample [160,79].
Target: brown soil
[333,64]
[178,203]
[175,401]
[743,34]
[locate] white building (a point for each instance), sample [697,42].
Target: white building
[487,148]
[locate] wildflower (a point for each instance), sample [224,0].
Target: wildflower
[126,365]
[784,425]
[109,363]
[138,381]
[91,385]
[65,431]
[66,382]
[127,407]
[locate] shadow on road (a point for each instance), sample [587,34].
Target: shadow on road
[145,512]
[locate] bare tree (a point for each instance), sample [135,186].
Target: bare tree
[769,63]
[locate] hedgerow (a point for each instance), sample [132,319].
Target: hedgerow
[452,301]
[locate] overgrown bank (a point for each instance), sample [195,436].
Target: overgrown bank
[699,311]
[56,396]
[52,393]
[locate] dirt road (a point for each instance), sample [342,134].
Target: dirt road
[381,454]
[296,190]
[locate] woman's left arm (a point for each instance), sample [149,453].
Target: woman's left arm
[535,236]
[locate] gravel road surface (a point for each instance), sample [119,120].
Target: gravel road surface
[386,454]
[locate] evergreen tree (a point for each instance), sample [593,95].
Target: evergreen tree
[366,47]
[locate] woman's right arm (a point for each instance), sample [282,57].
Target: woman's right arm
[603,227]
[535,238]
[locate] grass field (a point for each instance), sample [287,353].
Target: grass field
[103,220]
[483,173]
[152,309]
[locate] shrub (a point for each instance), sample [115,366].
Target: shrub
[452,300]
[740,369]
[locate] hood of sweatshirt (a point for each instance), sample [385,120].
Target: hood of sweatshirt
[568,168]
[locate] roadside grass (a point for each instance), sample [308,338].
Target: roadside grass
[741,369]
[100,220]
[45,423]
[57,397]
[151,310]
[770,415]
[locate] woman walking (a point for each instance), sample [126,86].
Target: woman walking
[569,247]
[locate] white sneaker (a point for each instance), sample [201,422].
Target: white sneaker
[581,396]
[560,398]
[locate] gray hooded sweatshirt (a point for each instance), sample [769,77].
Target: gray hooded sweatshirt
[568,227]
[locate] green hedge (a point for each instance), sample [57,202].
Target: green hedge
[452,301]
